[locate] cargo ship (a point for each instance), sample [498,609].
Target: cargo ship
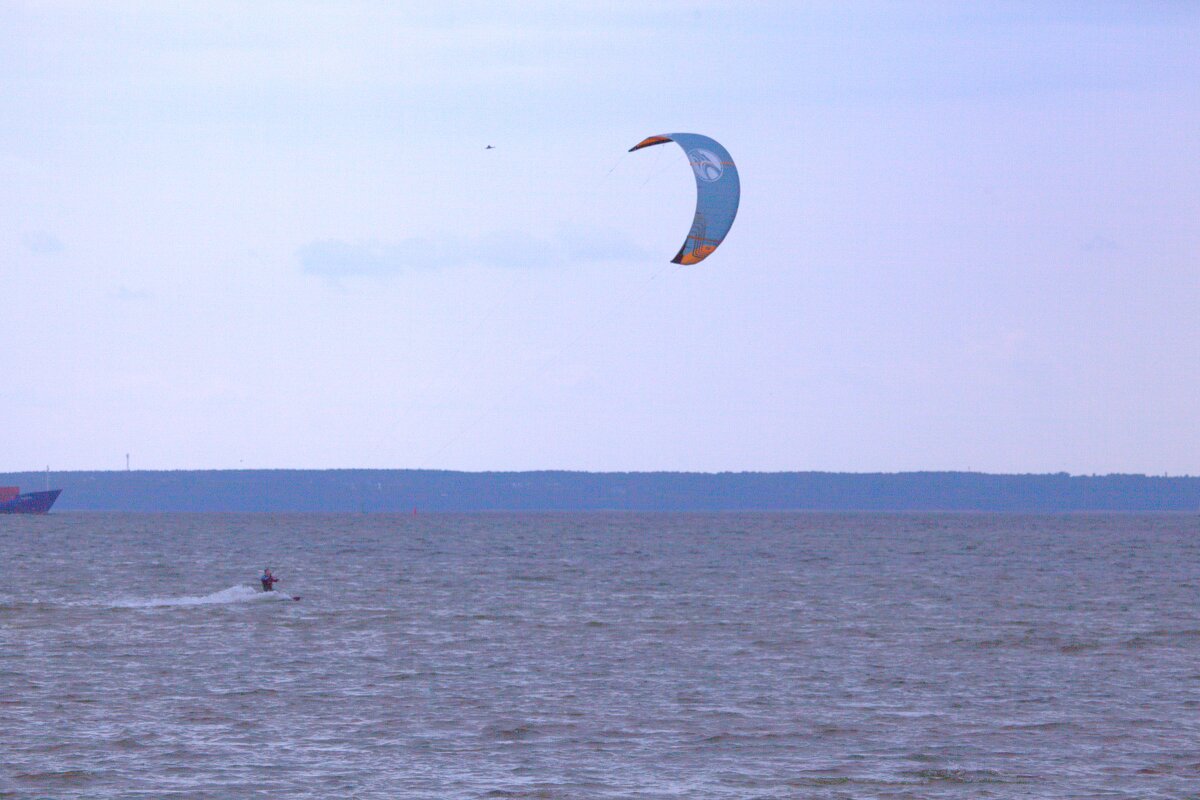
[13,502]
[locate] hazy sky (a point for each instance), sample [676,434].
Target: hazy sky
[269,235]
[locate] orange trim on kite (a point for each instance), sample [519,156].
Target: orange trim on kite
[695,255]
[648,141]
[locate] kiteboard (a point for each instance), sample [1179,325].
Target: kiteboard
[284,595]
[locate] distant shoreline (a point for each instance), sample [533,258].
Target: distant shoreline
[402,491]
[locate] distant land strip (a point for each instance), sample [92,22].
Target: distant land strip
[405,491]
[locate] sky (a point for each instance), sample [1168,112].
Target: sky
[269,235]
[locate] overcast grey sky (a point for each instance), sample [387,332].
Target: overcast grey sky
[269,235]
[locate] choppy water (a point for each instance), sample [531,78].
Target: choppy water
[600,656]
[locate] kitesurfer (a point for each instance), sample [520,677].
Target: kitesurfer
[268,580]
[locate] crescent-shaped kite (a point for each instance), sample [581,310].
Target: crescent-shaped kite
[717,192]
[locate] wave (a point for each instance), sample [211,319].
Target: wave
[234,594]
[965,776]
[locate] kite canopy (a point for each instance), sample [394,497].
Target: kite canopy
[717,192]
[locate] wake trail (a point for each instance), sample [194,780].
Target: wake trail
[232,595]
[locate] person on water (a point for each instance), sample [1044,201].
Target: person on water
[268,580]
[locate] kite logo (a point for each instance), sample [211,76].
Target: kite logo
[706,164]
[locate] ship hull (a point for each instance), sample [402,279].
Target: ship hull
[30,502]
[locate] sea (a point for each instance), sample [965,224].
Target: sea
[600,655]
